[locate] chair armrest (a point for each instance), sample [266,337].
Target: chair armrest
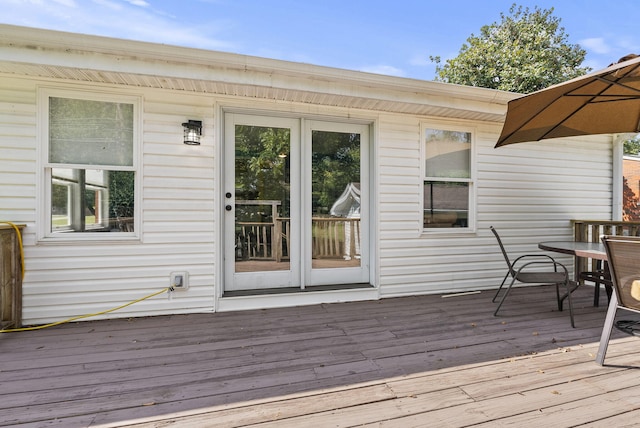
[535,256]
[553,263]
[548,259]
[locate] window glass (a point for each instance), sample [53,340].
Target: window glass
[448,153]
[335,199]
[90,170]
[262,197]
[446,204]
[447,178]
[90,132]
[89,200]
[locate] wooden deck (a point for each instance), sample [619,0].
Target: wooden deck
[405,362]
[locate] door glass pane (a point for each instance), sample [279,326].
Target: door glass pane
[335,199]
[262,198]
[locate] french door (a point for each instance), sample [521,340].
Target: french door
[296,203]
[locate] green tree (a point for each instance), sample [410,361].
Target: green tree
[335,162]
[524,52]
[262,169]
[630,209]
[121,194]
[631,146]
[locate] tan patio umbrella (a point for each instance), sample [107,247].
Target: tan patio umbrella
[602,102]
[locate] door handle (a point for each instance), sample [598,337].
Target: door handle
[228,208]
[228,195]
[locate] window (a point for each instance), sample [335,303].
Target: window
[448,184]
[90,164]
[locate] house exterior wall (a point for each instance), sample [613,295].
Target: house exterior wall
[529,192]
[70,279]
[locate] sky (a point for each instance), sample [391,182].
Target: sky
[393,37]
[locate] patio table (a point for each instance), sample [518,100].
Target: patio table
[593,250]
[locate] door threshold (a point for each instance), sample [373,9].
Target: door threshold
[294,290]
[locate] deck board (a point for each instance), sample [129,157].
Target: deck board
[402,362]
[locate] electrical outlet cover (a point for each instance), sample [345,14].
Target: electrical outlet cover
[179,280]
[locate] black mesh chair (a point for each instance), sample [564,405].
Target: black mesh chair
[623,255]
[534,269]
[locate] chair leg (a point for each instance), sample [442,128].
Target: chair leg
[504,296]
[606,329]
[609,289]
[500,288]
[568,286]
[571,287]
[599,282]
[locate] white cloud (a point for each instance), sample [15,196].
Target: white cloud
[110,4]
[595,44]
[594,64]
[126,19]
[388,70]
[627,45]
[420,60]
[68,3]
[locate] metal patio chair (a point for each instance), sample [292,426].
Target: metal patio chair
[623,255]
[534,269]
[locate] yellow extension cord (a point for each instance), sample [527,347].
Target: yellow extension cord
[39,327]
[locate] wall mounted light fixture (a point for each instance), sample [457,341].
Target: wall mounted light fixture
[192,132]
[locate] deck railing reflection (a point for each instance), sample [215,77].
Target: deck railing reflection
[332,238]
[592,230]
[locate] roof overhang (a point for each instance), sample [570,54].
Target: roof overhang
[82,58]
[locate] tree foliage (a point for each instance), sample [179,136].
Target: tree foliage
[335,162]
[631,146]
[630,209]
[263,170]
[526,51]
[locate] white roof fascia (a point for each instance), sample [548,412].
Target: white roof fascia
[61,49]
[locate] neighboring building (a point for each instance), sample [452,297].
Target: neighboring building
[117,207]
[631,174]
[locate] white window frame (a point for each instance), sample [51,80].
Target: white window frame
[471,181]
[45,233]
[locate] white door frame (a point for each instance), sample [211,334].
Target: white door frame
[301,273]
[235,281]
[355,275]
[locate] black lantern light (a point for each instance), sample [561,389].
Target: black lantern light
[192,132]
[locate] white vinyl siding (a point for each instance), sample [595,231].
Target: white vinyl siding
[529,191]
[17,151]
[70,279]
